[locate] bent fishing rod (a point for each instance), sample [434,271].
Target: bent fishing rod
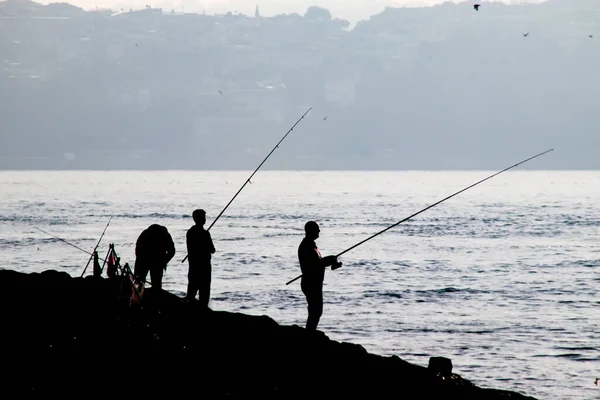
[70,244]
[431,206]
[96,247]
[257,168]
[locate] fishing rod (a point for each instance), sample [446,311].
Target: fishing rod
[433,205]
[70,244]
[96,247]
[248,180]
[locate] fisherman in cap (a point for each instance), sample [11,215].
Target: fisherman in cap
[153,251]
[200,249]
[313,267]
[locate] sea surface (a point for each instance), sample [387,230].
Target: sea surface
[504,278]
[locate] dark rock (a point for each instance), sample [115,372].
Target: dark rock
[440,365]
[80,337]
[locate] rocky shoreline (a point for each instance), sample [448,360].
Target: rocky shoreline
[81,336]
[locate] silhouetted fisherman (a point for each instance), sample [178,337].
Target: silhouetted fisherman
[313,273]
[153,251]
[200,249]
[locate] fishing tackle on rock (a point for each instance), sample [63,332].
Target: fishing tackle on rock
[257,168]
[96,247]
[433,205]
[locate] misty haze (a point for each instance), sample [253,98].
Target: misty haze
[442,87]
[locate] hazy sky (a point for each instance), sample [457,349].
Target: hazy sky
[351,10]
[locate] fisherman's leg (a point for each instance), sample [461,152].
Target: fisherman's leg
[315,310]
[156,275]
[192,287]
[204,285]
[314,298]
[140,270]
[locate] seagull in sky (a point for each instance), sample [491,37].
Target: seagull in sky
[526,34]
[325,119]
[476,7]
[221,93]
[591,36]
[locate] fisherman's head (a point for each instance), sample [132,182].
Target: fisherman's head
[199,217]
[312,230]
[157,230]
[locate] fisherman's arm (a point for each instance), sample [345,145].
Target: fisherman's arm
[170,249]
[188,241]
[211,245]
[331,261]
[324,262]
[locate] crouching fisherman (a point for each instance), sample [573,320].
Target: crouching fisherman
[153,251]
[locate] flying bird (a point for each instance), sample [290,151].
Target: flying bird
[596,381]
[325,119]
[591,36]
[476,7]
[526,34]
[221,93]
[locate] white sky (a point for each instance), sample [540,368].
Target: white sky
[351,10]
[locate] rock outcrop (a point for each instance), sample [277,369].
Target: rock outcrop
[81,337]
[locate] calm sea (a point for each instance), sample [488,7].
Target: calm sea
[503,279]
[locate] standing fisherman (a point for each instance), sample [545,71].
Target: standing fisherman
[200,249]
[153,251]
[313,267]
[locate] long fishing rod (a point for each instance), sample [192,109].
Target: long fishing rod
[96,247]
[433,205]
[248,180]
[70,244]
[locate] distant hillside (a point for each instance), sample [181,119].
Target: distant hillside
[443,87]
